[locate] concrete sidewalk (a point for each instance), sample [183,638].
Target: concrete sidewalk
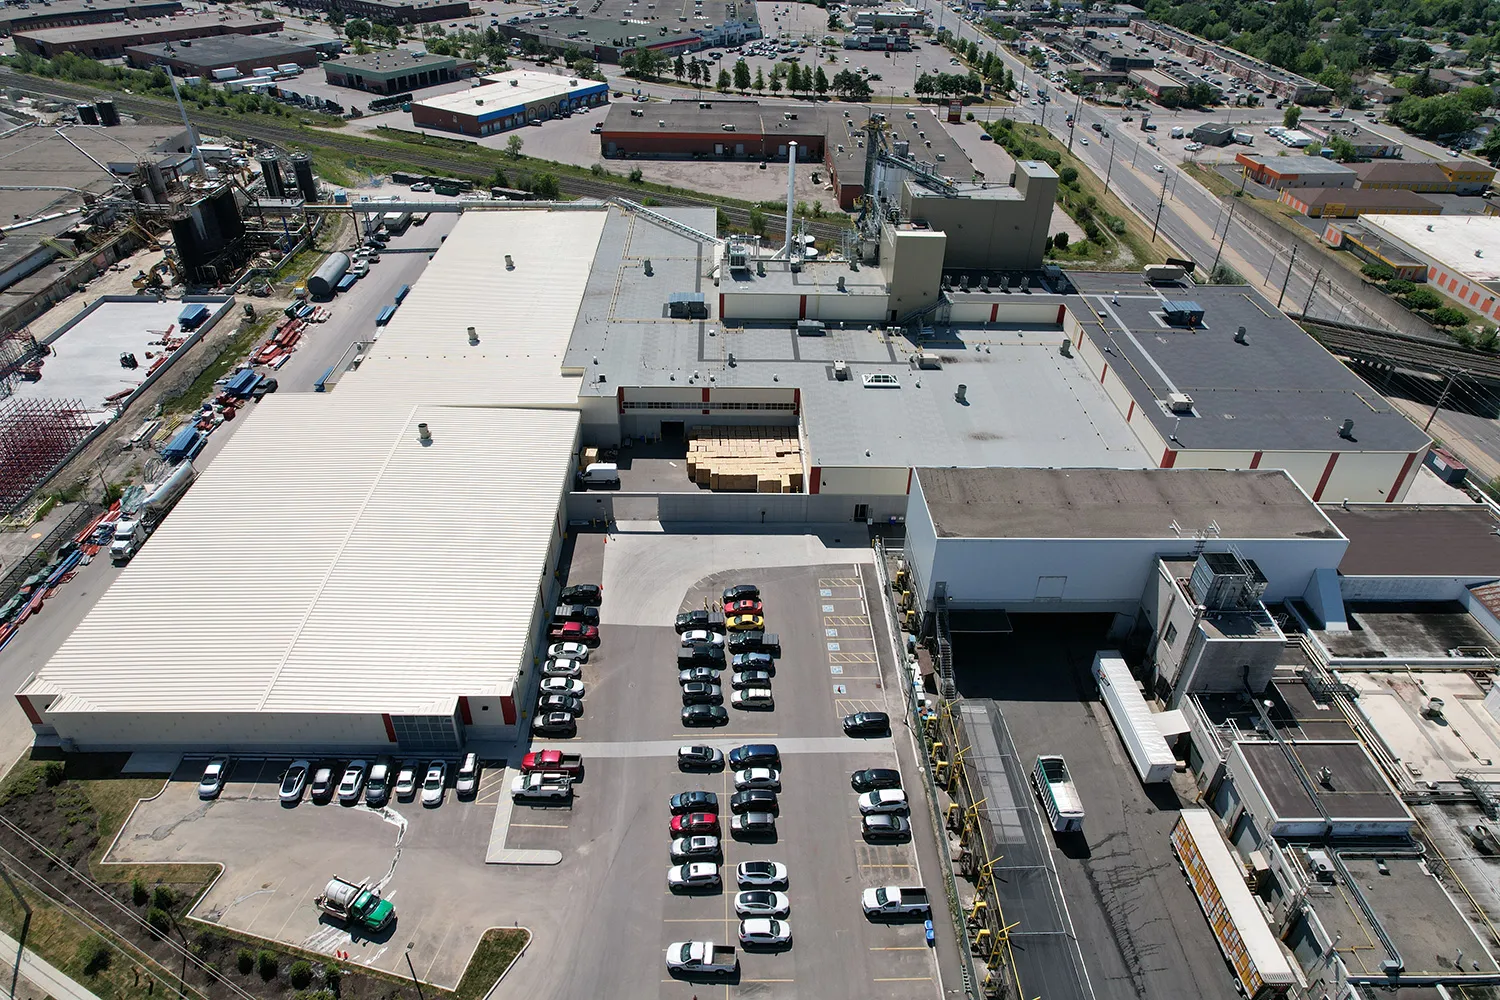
[38,973]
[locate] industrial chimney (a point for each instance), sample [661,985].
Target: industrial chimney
[791,194]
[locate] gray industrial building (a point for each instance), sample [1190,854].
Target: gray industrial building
[201,56]
[64,13]
[108,40]
[395,71]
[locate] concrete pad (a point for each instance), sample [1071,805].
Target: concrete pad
[497,854]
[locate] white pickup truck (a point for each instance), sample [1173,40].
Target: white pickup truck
[896,901]
[702,958]
[541,785]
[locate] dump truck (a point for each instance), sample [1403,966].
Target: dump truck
[895,901]
[355,904]
[702,958]
[553,762]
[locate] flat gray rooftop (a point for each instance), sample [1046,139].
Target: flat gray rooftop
[1392,630]
[1117,503]
[1027,404]
[390,61]
[1418,540]
[216,50]
[145,26]
[1354,790]
[1280,391]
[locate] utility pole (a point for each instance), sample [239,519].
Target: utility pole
[1312,289]
[1110,169]
[1442,397]
[1160,202]
[1285,281]
[1076,109]
[1225,236]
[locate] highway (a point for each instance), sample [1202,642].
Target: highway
[1193,219]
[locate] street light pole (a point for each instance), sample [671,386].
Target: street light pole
[1110,169]
[1442,397]
[1160,202]
[1287,280]
[415,981]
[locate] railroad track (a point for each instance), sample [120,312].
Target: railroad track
[280,135]
[1403,351]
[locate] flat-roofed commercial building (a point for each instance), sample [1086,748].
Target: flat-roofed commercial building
[1343,203]
[509,101]
[108,40]
[1459,251]
[395,71]
[1429,177]
[65,13]
[394,11]
[1282,172]
[244,53]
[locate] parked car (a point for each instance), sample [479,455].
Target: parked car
[698,675]
[324,782]
[761,874]
[745,623]
[753,698]
[694,801]
[753,661]
[872,778]
[885,826]
[701,653]
[435,785]
[753,824]
[754,800]
[378,784]
[700,846]
[693,875]
[466,783]
[696,636]
[758,777]
[587,614]
[761,903]
[883,800]
[353,781]
[560,703]
[700,758]
[406,780]
[588,635]
[700,693]
[212,782]
[559,666]
[755,642]
[704,715]
[294,782]
[583,593]
[569,651]
[744,606]
[754,755]
[555,724]
[689,621]
[562,685]
[867,724]
[750,679]
[698,822]
[740,591]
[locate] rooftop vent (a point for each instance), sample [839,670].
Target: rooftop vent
[1239,336]
[1346,430]
[423,434]
[1180,402]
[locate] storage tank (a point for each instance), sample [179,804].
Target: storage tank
[107,113]
[156,179]
[270,169]
[303,170]
[189,249]
[327,276]
[227,213]
[87,114]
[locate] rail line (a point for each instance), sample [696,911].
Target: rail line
[1403,351]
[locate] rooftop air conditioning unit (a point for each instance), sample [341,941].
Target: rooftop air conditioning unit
[1180,402]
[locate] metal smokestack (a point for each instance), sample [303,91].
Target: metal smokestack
[791,196]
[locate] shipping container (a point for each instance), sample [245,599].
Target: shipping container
[385,315]
[193,316]
[1143,741]
[1218,880]
[187,443]
[225,73]
[401,293]
[346,282]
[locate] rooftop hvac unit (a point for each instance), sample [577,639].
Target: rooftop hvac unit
[1180,402]
[1321,865]
[1222,581]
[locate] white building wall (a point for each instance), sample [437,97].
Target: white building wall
[284,732]
[835,307]
[759,305]
[870,481]
[600,417]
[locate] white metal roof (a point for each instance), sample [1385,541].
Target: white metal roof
[510,90]
[523,315]
[1465,244]
[328,561]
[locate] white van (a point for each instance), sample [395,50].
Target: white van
[600,475]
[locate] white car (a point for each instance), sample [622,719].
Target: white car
[569,651]
[1156,167]
[758,777]
[883,800]
[353,781]
[561,666]
[435,785]
[294,781]
[694,875]
[378,785]
[701,846]
[761,903]
[753,697]
[1084,139]
[765,932]
[562,685]
[698,635]
[467,781]
[406,781]
[761,874]
[212,782]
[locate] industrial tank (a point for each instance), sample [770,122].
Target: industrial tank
[87,115]
[108,114]
[270,169]
[326,277]
[306,182]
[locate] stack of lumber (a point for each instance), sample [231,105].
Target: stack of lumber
[746,459]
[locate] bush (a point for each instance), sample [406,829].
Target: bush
[1068,175]
[1423,298]
[162,897]
[1376,271]
[160,921]
[1116,224]
[244,960]
[205,943]
[138,893]
[1449,316]
[332,975]
[265,964]
[300,974]
[1060,240]
[315,995]
[1399,286]
[93,956]
[1464,337]
[597,170]
[635,175]
[53,773]
[1489,340]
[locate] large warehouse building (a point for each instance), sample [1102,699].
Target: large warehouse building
[109,40]
[509,100]
[62,13]
[243,53]
[1458,251]
[395,72]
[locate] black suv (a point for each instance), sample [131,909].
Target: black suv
[740,592]
[585,613]
[583,593]
[700,653]
[755,755]
[690,620]
[872,778]
[755,800]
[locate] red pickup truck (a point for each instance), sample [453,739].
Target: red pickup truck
[553,762]
[574,632]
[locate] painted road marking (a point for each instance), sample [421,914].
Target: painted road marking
[904,947]
[831,633]
[906,979]
[698,920]
[833,647]
[840,689]
[885,866]
[835,669]
[828,609]
[542,826]
[848,621]
[850,657]
[840,581]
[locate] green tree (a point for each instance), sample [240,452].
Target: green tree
[1343,150]
[244,960]
[1423,298]
[1491,148]
[545,186]
[760,81]
[513,147]
[724,84]
[1068,175]
[695,72]
[1449,316]
[357,30]
[1292,116]
[300,974]
[336,18]
[820,82]
[741,75]
[93,955]
[1060,240]
[757,222]
[1377,271]
[679,68]
[265,964]
[163,897]
[775,83]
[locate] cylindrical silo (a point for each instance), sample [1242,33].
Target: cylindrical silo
[157,180]
[270,169]
[108,115]
[227,211]
[306,182]
[87,114]
[326,277]
[185,237]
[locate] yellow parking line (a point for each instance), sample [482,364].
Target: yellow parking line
[543,826]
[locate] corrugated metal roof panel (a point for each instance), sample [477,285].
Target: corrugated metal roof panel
[523,316]
[328,561]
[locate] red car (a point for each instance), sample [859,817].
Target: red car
[747,606]
[699,822]
[574,632]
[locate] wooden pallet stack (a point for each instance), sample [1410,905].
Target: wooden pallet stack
[746,459]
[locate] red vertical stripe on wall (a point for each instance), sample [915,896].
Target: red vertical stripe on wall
[816,475]
[1255,462]
[994,311]
[508,709]
[620,398]
[1396,488]
[705,394]
[1130,412]
[1061,312]
[463,710]
[721,307]
[1168,458]
[1333,460]
[390,727]
[797,401]
[1104,373]
[908,481]
[32,715]
[802,307]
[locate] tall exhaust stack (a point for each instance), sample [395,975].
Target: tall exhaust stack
[791,195]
